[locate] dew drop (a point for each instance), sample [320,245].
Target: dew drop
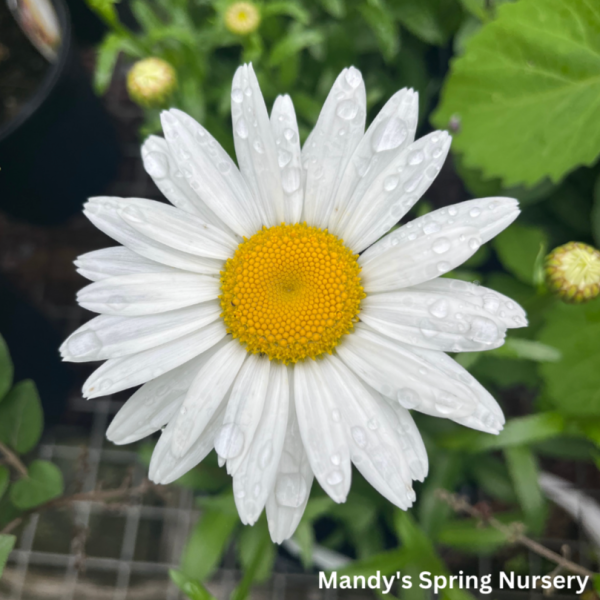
[241,128]
[156,165]
[258,147]
[447,404]
[484,331]
[439,308]
[408,398]
[353,77]
[347,109]
[474,244]
[474,212]
[265,456]
[431,227]
[289,134]
[390,183]
[359,436]
[290,179]
[334,477]
[452,211]
[116,302]
[443,267]
[336,416]
[336,459]
[441,245]
[229,441]
[84,343]
[412,184]
[389,134]
[256,490]
[416,157]
[290,490]
[373,424]
[283,158]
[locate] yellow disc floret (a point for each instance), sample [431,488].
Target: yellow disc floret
[573,272]
[242,18]
[291,292]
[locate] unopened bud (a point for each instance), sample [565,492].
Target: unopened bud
[151,81]
[242,18]
[573,272]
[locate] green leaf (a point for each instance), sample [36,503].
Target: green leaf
[4,479]
[595,216]
[21,417]
[7,543]
[305,537]
[492,477]
[573,384]
[144,15]
[527,350]
[6,369]
[518,247]
[255,541]
[336,8]
[192,588]
[433,21]
[382,24]
[43,483]
[293,43]
[290,9]
[207,543]
[527,91]
[524,472]
[467,535]
[108,52]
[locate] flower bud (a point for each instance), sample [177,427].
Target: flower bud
[572,272]
[242,18]
[151,81]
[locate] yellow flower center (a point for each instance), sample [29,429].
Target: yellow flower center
[573,272]
[291,292]
[242,18]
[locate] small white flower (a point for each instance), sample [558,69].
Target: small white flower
[219,304]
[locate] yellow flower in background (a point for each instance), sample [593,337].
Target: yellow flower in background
[242,18]
[573,272]
[151,81]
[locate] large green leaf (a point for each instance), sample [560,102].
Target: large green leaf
[384,27]
[433,21]
[526,93]
[21,417]
[44,482]
[6,369]
[573,384]
[7,543]
[4,479]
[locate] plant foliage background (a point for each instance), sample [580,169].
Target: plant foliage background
[517,84]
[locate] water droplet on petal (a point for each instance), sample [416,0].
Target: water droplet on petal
[347,109]
[156,165]
[265,455]
[289,134]
[474,212]
[359,436]
[283,158]
[258,147]
[416,157]
[241,128]
[290,490]
[439,308]
[237,95]
[452,211]
[290,179]
[353,77]
[336,416]
[334,477]
[441,245]
[373,424]
[336,459]
[484,331]
[390,183]
[229,441]
[389,134]
[116,302]
[474,244]
[431,227]
[408,398]
[443,267]
[256,490]
[447,404]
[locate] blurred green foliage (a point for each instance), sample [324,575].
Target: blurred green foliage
[517,85]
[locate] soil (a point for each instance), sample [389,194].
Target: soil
[22,67]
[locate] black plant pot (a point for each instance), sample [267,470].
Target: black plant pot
[61,147]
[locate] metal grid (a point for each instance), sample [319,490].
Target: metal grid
[129,550]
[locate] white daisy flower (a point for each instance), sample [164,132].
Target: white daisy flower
[265,315]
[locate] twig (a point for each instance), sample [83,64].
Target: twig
[513,531]
[95,496]
[13,460]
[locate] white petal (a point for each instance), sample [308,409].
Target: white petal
[288,499]
[163,169]
[331,143]
[505,309]
[119,374]
[289,157]
[108,336]
[156,402]
[435,242]
[111,262]
[146,294]
[205,395]
[165,467]
[397,371]
[392,130]
[385,196]
[103,212]
[179,230]
[255,478]
[255,145]
[375,446]
[244,410]
[323,434]
[440,321]
[487,415]
[211,172]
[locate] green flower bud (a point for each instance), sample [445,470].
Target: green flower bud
[151,81]
[242,18]
[572,272]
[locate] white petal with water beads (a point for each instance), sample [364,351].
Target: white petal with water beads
[119,374]
[147,294]
[110,336]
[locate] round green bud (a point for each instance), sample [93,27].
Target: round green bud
[151,81]
[572,272]
[242,18]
